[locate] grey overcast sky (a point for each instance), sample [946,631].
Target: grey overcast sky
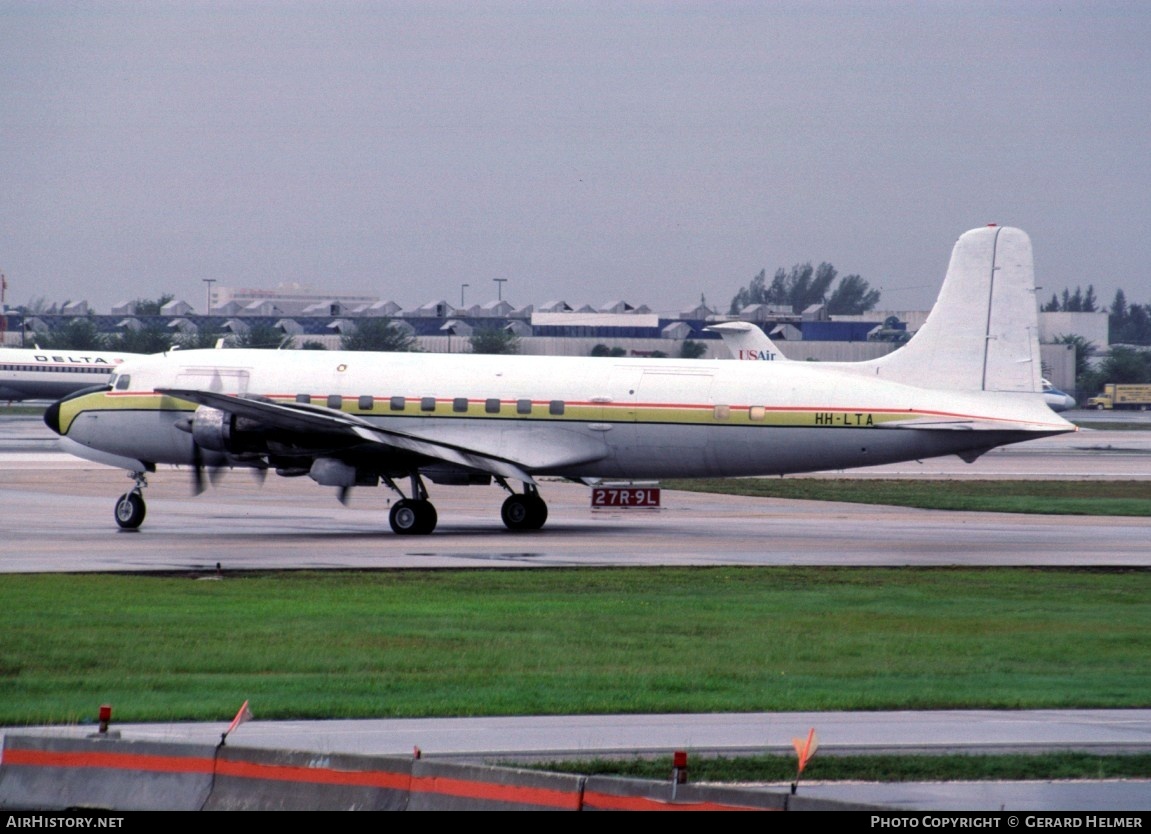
[584,151]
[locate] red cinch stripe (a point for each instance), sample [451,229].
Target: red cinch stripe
[643,803]
[112,761]
[497,793]
[315,775]
[378,779]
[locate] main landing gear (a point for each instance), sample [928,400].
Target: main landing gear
[130,507]
[413,517]
[525,511]
[416,516]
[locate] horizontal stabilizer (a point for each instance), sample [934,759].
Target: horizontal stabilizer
[970,424]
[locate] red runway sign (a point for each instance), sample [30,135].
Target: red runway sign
[625,498]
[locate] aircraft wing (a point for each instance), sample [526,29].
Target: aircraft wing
[306,418]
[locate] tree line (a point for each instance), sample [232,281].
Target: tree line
[1128,329]
[1123,364]
[1127,324]
[804,285]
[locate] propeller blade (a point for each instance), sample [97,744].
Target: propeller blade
[344,494]
[197,469]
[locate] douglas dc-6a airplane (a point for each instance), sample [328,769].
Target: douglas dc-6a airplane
[51,374]
[966,383]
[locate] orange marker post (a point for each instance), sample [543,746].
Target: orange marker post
[804,750]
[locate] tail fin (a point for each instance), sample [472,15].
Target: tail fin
[747,341]
[983,332]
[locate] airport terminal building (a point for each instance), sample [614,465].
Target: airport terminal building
[556,328]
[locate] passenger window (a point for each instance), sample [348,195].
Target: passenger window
[460,404]
[556,407]
[397,403]
[757,413]
[427,404]
[523,406]
[335,401]
[492,406]
[723,412]
[367,403]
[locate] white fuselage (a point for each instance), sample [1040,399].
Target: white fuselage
[578,417]
[50,374]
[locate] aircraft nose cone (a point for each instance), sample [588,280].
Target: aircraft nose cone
[52,417]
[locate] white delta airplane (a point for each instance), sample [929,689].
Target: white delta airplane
[966,383]
[37,374]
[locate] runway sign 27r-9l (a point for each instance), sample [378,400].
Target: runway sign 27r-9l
[625,498]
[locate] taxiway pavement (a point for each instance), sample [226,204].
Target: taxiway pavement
[57,516]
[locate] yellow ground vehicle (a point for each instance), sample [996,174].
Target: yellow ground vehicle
[1122,396]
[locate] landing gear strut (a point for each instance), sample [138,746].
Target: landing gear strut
[130,507]
[415,516]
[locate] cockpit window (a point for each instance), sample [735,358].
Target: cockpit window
[122,382]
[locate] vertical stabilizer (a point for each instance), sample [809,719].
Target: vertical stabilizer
[747,341]
[983,332]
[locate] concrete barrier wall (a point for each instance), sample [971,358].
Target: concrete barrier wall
[53,773]
[275,780]
[443,786]
[606,793]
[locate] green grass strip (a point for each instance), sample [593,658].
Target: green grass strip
[824,768]
[557,641]
[1126,498]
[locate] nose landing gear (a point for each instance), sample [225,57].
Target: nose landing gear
[130,507]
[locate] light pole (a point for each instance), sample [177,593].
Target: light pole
[500,283]
[462,288]
[209,282]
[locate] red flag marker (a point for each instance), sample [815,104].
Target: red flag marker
[245,714]
[804,749]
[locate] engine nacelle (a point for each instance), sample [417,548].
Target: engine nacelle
[221,431]
[212,428]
